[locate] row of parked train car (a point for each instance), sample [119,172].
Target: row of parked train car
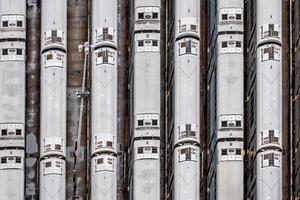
[145,88]
[53,99]
[230,100]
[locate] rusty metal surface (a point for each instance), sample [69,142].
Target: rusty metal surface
[123,44]
[32,100]
[77,34]
[296,100]
[209,140]
[286,100]
[250,95]
[203,103]
[169,119]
